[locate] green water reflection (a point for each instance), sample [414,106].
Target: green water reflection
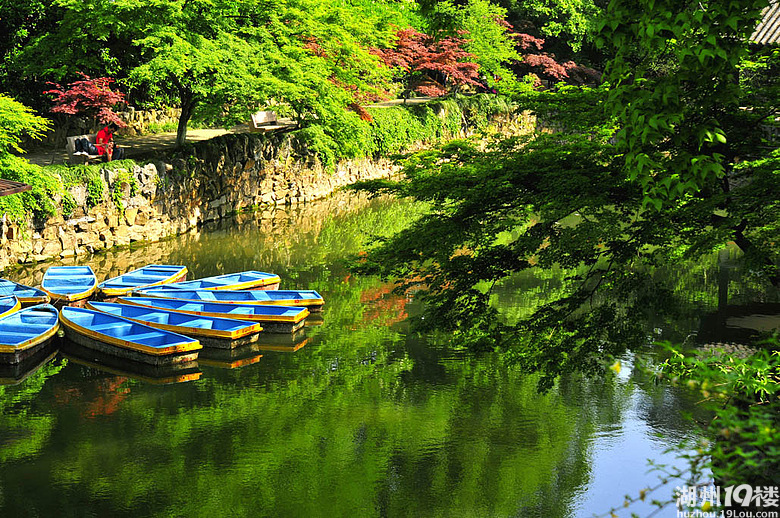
[363,419]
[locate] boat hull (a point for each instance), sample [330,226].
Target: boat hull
[100,345]
[274,286]
[66,284]
[215,338]
[248,280]
[271,323]
[153,374]
[227,343]
[27,295]
[25,332]
[18,355]
[178,349]
[308,299]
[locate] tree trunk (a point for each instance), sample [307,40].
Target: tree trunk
[184,118]
[188,102]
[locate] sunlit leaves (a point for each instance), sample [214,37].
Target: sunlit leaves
[673,88]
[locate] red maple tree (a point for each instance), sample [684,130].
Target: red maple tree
[544,65]
[89,97]
[426,60]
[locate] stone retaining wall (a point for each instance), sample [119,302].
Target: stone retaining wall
[232,174]
[217,178]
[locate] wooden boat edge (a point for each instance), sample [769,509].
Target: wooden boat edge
[72,297]
[247,284]
[117,292]
[32,342]
[310,304]
[14,309]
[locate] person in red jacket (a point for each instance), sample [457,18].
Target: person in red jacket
[103,146]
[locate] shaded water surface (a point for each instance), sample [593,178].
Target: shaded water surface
[357,417]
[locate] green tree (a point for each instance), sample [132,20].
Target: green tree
[577,199]
[568,21]
[218,61]
[17,122]
[484,26]
[688,129]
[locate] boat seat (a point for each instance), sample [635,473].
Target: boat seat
[143,336]
[110,325]
[25,329]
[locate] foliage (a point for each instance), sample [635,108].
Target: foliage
[398,128]
[568,21]
[16,121]
[95,188]
[422,59]
[91,97]
[742,394]
[575,199]
[523,188]
[504,52]
[488,36]
[310,57]
[124,177]
[90,176]
[166,127]
[68,204]
[681,130]
[538,64]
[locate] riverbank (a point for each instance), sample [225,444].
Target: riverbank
[104,206]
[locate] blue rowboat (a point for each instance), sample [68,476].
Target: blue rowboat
[275,319]
[126,339]
[9,305]
[27,295]
[223,333]
[24,332]
[149,275]
[69,283]
[248,280]
[309,299]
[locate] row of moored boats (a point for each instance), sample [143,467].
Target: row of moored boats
[149,315]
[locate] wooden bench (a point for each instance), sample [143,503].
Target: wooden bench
[262,121]
[71,149]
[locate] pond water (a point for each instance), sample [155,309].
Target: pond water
[357,417]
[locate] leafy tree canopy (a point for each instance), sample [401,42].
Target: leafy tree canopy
[220,60]
[488,37]
[580,198]
[566,20]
